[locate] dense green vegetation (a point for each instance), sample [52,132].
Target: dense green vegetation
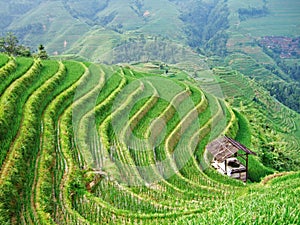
[87,143]
[10,45]
[269,121]
[94,144]
[264,33]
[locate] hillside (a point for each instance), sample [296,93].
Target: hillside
[85,143]
[258,38]
[264,44]
[61,24]
[114,128]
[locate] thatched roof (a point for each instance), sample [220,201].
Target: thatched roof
[225,147]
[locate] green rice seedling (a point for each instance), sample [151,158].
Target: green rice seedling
[22,65]
[3,59]
[45,198]
[25,141]
[7,68]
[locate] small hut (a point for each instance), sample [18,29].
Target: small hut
[225,151]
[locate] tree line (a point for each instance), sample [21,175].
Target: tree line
[287,93]
[9,44]
[252,12]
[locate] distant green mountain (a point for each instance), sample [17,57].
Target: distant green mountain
[60,24]
[259,38]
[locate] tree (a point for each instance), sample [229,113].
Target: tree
[42,54]
[2,44]
[23,51]
[9,44]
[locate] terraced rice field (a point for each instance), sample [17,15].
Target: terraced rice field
[229,84]
[94,144]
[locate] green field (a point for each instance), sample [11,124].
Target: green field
[94,144]
[282,20]
[113,128]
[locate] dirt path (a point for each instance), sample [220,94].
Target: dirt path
[270,177]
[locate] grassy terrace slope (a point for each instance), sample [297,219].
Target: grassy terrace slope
[95,144]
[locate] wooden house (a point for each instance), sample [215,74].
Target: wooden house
[225,153]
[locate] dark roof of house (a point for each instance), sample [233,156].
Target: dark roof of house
[224,147]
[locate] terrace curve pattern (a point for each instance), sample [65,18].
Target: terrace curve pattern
[65,160]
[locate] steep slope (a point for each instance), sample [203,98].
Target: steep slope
[13,10]
[49,23]
[57,24]
[96,144]
[267,35]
